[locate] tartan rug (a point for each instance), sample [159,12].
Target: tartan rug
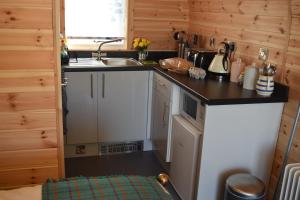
[104,187]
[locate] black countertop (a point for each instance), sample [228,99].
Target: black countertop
[211,92]
[90,68]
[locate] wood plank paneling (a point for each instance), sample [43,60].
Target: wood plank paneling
[16,17]
[25,159]
[28,39]
[29,140]
[253,24]
[18,59]
[30,100]
[27,3]
[27,120]
[22,101]
[256,7]
[157,20]
[26,81]
[26,177]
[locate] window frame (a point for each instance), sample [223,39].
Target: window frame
[93,47]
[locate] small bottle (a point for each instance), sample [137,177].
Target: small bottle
[236,69]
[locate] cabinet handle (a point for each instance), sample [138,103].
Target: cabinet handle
[64,84]
[103,85]
[92,86]
[164,115]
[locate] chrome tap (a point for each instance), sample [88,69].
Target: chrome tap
[103,43]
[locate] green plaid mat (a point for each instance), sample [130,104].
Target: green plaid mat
[112,187]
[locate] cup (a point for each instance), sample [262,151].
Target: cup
[250,78]
[265,85]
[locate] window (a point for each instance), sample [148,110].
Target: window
[88,21]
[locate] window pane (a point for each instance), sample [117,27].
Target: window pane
[95,18]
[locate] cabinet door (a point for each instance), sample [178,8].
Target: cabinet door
[122,106]
[160,121]
[82,107]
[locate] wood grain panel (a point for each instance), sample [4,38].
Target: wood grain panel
[26,60]
[27,3]
[26,81]
[28,159]
[157,20]
[22,101]
[28,39]
[291,77]
[27,120]
[295,26]
[26,177]
[27,140]
[30,101]
[256,7]
[14,17]
[253,24]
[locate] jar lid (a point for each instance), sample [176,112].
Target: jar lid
[245,185]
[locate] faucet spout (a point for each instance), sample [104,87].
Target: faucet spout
[103,43]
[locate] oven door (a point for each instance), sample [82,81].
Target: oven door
[191,108]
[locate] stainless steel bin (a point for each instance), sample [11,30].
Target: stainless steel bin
[244,187]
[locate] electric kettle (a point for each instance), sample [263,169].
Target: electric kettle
[219,68]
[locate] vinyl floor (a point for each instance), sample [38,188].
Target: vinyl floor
[138,163]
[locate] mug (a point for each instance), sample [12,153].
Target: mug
[265,85]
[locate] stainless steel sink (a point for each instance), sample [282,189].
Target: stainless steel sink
[105,62]
[121,62]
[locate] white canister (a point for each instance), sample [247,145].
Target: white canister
[265,85]
[250,78]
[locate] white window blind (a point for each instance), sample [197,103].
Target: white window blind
[87,20]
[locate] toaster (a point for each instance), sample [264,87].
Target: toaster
[201,58]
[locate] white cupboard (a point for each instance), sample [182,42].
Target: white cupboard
[81,119]
[122,105]
[107,107]
[165,103]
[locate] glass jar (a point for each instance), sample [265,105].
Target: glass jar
[142,55]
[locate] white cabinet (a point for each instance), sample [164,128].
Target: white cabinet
[122,105]
[82,107]
[160,122]
[165,103]
[237,138]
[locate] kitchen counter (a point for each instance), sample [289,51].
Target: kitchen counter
[74,66]
[211,92]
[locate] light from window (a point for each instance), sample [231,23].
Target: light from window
[95,19]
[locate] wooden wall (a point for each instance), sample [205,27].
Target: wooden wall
[157,20]
[30,111]
[253,24]
[291,77]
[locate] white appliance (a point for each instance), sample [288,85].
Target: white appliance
[185,158]
[192,109]
[165,103]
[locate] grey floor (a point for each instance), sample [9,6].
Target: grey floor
[138,163]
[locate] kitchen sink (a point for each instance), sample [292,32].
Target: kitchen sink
[120,62]
[105,62]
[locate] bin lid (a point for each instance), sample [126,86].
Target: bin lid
[245,185]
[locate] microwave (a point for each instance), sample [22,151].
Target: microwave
[192,109]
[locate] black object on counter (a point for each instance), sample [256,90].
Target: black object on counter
[201,58]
